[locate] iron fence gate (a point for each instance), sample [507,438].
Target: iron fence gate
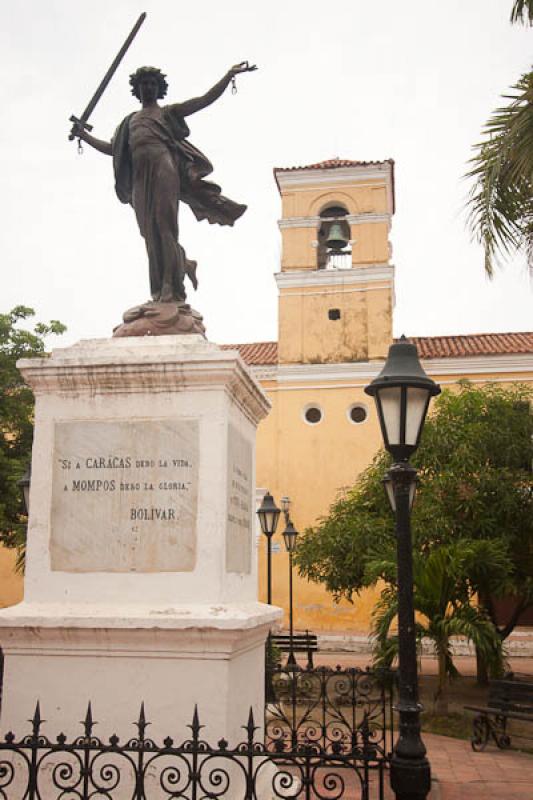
[341,710]
[36,767]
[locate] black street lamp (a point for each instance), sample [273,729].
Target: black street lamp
[290,534]
[24,484]
[268,515]
[402,392]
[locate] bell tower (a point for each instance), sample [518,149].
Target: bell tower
[336,285]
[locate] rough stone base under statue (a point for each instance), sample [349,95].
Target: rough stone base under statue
[160,319]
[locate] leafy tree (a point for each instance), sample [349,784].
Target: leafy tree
[501,200]
[16,417]
[475,489]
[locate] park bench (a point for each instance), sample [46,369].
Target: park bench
[507,700]
[301,643]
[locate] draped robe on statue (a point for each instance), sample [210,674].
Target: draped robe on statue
[156,167]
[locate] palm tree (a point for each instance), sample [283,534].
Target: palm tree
[522,12]
[444,602]
[501,200]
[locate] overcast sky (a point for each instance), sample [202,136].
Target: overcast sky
[411,80]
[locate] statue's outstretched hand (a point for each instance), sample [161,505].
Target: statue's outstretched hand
[244,66]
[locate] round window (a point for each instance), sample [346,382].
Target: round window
[313,415]
[357,413]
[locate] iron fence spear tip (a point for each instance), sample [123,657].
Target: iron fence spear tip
[88,721]
[195,725]
[36,721]
[250,727]
[142,724]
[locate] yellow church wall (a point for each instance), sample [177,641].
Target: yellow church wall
[379,322]
[310,464]
[370,243]
[507,380]
[363,196]
[298,250]
[314,608]
[307,335]
[11,582]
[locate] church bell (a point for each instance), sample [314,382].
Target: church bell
[336,239]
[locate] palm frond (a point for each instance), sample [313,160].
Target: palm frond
[500,207]
[384,614]
[522,11]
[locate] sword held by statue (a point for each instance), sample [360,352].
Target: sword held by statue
[82,121]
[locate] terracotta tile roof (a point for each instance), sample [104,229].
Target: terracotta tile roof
[334,163]
[256,353]
[337,163]
[482,344]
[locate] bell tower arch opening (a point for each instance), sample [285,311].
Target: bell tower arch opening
[333,238]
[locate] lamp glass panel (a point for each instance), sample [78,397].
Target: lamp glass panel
[389,488]
[390,406]
[412,493]
[268,521]
[416,407]
[290,540]
[262,520]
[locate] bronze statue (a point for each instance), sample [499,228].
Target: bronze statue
[156,167]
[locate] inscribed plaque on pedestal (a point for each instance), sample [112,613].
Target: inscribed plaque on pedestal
[239,515]
[124,496]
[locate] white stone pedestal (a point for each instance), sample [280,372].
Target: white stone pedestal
[141,573]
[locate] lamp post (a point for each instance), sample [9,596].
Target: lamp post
[268,514]
[402,392]
[290,534]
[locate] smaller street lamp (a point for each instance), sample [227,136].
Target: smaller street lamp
[402,392]
[268,514]
[24,484]
[285,507]
[290,534]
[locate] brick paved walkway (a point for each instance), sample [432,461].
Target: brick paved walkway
[461,774]
[458,772]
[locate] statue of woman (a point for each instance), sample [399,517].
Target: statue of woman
[156,167]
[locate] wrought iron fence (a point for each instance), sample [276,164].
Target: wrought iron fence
[341,710]
[37,768]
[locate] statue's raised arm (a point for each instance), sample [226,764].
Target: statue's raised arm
[198,103]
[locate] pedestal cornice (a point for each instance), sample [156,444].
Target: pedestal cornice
[129,366]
